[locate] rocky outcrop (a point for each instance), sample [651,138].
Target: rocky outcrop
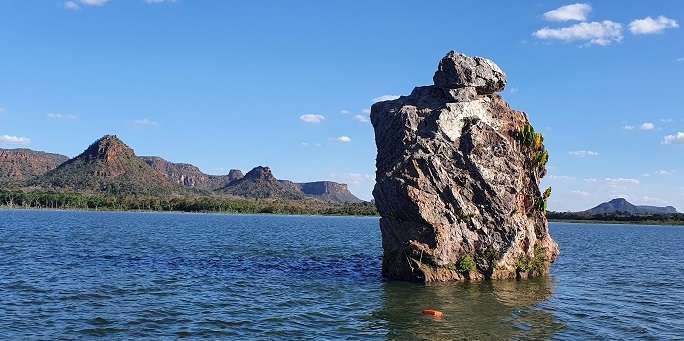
[328,191]
[107,166]
[189,175]
[18,165]
[457,182]
[260,183]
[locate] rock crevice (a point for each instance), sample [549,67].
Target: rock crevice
[457,180]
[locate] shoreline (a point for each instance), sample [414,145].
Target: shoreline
[566,221]
[44,209]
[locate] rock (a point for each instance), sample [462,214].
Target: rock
[457,181]
[457,70]
[235,174]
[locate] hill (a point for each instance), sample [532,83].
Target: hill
[107,166]
[18,165]
[260,183]
[621,206]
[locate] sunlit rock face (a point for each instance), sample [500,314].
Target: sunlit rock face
[458,175]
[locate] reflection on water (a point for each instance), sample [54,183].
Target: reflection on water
[487,310]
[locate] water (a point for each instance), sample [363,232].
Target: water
[83,275]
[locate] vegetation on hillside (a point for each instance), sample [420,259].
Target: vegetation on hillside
[72,200]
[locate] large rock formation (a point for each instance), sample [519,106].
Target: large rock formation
[17,165]
[328,191]
[458,175]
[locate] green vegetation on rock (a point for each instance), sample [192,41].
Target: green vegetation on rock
[466,264]
[534,264]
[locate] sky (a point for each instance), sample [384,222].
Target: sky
[288,84]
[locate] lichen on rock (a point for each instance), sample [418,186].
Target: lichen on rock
[458,179]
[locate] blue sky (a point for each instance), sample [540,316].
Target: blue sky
[228,84]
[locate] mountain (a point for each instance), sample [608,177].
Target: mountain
[17,165]
[189,175]
[108,166]
[260,183]
[327,191]
[621,206]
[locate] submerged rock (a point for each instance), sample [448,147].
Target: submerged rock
[457,182]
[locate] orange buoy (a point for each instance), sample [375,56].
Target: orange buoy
[434,313]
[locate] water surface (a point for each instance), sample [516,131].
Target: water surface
[80,275]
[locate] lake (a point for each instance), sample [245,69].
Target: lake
[82,275]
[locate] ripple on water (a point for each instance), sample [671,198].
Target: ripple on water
[82,275]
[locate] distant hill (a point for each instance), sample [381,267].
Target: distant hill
[327,191]
[260,183]
[107,166]
[17,165]
[110,166]
[621,206]
[189,175]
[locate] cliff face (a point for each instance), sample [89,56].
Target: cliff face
[189,175]
[328,191]
[457,182]
[107,166]
[17,165]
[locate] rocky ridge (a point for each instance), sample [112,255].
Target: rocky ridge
[17,165]
[457,181]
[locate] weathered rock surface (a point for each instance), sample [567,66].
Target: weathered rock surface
[457,182]
[17,165]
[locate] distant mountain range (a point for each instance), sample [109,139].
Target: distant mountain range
[110,166]
[621,206]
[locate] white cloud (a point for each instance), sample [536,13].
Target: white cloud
[385,98]
[351,178]
[623,181]
[76,4]
[343,139]
[583,153]
[590,179]
[71,5]
[366,111]
[561,177]
[677,138]
[145,122]
[647,126]
[362,118]
[649,25]
[58,116]
[599,33]
[14,140]
[2,109]
[664,172]
[578,12]
[628,127]
[94,2]
[580,193]
[680,59]
[312,118]
[345,112]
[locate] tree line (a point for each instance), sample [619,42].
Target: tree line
[72,200]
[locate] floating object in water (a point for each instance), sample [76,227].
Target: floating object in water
[434,313]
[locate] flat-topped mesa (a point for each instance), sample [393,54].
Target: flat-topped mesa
[457,181]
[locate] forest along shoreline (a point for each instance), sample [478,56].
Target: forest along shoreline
[228,205]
